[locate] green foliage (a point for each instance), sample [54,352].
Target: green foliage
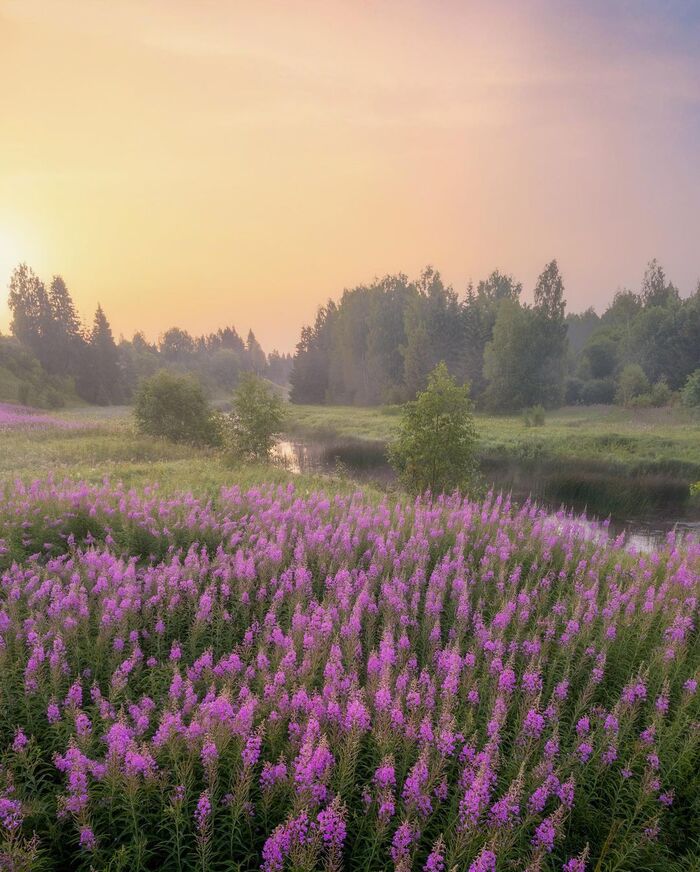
[601,356]
[524,362]
[534,417]
[631,383]
[23,380]
[174,407]
[435,446]
[598,391]
[660,395]
[690,395]
[256,420]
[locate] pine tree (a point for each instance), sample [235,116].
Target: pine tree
[102,379]
[256,356]
[66,336]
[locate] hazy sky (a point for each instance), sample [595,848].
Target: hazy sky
[202,163]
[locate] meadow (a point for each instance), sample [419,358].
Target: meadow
[211,667]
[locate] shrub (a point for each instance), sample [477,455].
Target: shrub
[597,391]
[659,395]
[572,391]
[174,407]
[534,417]
[256,419]
[435,447]
[690,395]
[631,383]
[54,400]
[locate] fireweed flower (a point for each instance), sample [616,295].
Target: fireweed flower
[404,837]
[545,835]
[20,741]
[485,862]
[331,825]
[436,858]
[87,839]
[576,864]
[202,813]
[331,626]
[10,813]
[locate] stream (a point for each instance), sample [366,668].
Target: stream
[367,463]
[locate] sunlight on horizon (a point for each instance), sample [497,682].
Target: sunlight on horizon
[205,165]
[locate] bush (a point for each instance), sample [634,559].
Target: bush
[174,407]
[690,395]
[631,383]
[54,400]
[660,395]
[572,391]
[534,417]
[435,447]
[256,420]
[597,391]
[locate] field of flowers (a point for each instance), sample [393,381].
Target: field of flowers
[25,418]
[293,681]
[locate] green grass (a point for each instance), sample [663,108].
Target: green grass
[627,436]
[610,460]
[108,445]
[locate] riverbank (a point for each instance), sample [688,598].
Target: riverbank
[633,466]
[612,461]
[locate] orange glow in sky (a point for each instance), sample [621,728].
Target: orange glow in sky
[206,163]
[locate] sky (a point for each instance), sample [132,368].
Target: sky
[197,163]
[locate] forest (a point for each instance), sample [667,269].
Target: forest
[380,341]
[53,355]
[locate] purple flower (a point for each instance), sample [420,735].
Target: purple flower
[251,750]
[545,835]
[20,741]
[575,864]
[533,724]
[87,839]
[202,813]
[436,858]
[401,843]
[10,813]
[331,825]
[485,862]
[584,751]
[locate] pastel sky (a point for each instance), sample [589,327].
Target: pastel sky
[201,163]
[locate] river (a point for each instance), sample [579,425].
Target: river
[366,462]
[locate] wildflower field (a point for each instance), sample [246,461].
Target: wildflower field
[24,418]
[287,680]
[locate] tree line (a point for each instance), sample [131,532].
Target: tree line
[103,371]
[379,343]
